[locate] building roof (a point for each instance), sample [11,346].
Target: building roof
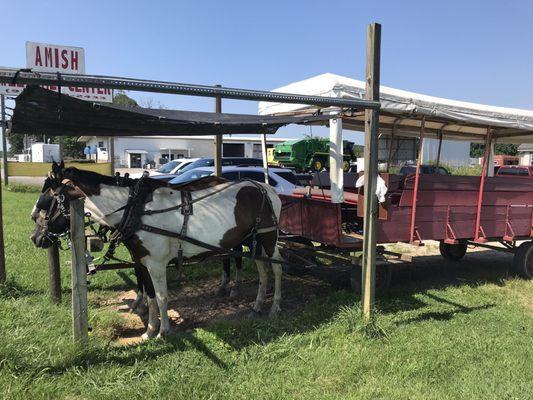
[457,120]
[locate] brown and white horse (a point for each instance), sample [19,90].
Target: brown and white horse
[224,215]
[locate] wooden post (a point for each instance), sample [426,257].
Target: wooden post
[4,138]
[417,178]
[55,273]
[2,248]
[218,139]
[373,44]
[264,153]
[112,154]
[79,273]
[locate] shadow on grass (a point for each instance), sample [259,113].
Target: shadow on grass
[13,290]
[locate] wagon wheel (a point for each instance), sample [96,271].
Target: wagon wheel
[383,278]
[453,252]
[523,261]
[345,166]
[297,261]
[317,165]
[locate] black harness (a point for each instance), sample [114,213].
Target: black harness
[141,193]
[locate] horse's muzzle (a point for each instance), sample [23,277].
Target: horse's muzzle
[40,239]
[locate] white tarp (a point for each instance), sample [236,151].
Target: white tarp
[458,119]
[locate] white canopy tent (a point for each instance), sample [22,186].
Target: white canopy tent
[456,120]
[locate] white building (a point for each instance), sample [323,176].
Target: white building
[136,152]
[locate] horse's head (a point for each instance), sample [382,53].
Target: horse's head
[51,210]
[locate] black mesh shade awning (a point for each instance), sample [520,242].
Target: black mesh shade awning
[41,111]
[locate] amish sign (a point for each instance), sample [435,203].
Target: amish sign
[44,57]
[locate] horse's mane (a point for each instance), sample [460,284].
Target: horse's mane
[88,177]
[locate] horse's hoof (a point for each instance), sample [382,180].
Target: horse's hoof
[234,293]
[149,334]
[254,314]
[274,312]
[162,335]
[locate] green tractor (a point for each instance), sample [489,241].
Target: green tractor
[311,154]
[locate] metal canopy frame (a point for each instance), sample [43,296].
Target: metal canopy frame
[28,77]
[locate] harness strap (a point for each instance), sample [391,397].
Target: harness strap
[185,238]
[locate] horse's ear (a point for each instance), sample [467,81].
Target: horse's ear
[55,167]
[62,165]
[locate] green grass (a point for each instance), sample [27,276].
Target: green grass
[470,338]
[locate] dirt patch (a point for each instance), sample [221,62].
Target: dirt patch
[197,305]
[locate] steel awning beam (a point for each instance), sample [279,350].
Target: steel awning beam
[28,77]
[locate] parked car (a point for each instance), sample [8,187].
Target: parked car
[514,170]
[281,179]
[171,167]
[226,161]
[424,169]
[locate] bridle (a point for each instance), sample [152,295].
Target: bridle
[56,210]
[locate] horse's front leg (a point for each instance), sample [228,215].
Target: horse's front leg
[235,290]
[139,304]
[153,321]
[158,273]
[226,265]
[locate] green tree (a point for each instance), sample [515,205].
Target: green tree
[122,99]
[478,149]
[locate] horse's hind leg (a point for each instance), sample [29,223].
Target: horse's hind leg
[263,282]
[226,265]
[235,290]
[277,269]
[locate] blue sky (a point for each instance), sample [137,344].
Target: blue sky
[480,51]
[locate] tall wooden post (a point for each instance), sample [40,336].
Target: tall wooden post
[412,228]
[4,138]
[79,273]
[55,273]
[373,44]
[218,139]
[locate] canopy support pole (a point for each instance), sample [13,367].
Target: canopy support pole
[479,235]
[336,173]
[389,156]
[264,154]
[438,152]
[412,230]
[112,153]
[373,49]
[218,139]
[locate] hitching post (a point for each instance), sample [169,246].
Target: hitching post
[54,272]
[79,273]
[373,44]
[4,138]
[218,139]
